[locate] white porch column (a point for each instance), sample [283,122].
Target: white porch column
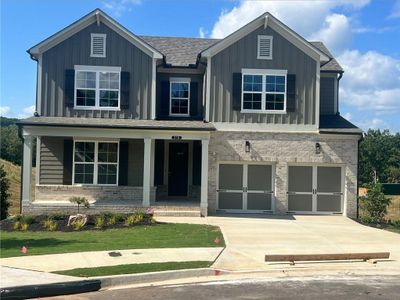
[204,177]
[27,169]
[148,170]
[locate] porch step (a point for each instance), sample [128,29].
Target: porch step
[177,213]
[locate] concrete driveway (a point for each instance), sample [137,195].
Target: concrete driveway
[249,238]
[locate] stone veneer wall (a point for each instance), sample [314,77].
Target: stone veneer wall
[282,149]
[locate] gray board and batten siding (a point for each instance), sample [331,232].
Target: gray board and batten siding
[243,54]
[76,51]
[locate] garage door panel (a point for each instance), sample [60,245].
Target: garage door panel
[329,179]
[300,179]
[227,200]
[230,177]
[259,201]
[329,203]
[259,177]
[300,202]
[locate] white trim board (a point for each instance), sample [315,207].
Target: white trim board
[95,16]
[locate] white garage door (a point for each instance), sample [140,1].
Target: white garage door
[245,187]
[315,189]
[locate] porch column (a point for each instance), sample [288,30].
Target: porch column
[204,177]
[27,169]
[148,170]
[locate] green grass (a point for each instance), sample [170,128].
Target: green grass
[135,268]
[139,237]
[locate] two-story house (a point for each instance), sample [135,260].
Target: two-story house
[248,123]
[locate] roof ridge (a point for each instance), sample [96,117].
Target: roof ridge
[179,37]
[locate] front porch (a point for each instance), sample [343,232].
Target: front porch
[117,170]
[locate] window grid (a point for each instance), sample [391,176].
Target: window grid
[102,172]
[180,102]
[273,92]
[106,90]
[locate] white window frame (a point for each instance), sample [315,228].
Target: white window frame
[178,80]
[94,35]
[97,70]
[95,162]
[264,73]
[264,37]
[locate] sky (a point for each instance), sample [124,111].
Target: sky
[364,36]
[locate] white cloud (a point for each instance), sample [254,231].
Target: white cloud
[371,81]
[395,11]
[4,111]
[202,32]
[29,110]
[374,123]
[347,116]
[118,7]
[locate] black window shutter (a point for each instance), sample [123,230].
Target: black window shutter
[69,88]
[237,91]
[165,98]
[125,80]
[123,163]
[159,162]
[291,93]
[67,162]
[196,163]
[194,88]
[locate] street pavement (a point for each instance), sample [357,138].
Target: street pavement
[345,287]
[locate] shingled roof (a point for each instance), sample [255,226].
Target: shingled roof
[182,51]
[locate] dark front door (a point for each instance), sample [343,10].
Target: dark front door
[178,169]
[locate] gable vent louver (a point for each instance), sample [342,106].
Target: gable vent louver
[98,45]
[264,47]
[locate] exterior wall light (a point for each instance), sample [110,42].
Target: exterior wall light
[247,146]
[317,148]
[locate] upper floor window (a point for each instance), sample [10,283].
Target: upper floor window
[97,87]
[179,96]
[264,47]
[98,45]
[95,162]
[264,90]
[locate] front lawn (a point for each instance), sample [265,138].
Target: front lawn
[135,268]
[139,237]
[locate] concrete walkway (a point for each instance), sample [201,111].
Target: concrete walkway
[93,259]
[11,277]
[249,238]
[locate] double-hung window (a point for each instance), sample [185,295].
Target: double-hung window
[179,97]
[95,162]
[264,90]
[97,87]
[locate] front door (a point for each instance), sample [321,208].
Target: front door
[178,169]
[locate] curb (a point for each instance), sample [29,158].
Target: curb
[51,289]
[128,279]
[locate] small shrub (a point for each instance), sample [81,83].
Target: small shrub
[16,225]
[366,219]
[24,226]
[78,224]
[50,224]
[112,219]
[396,223]
[130,220]
[374,203]
[27,219]
[80,201]
[99,222]
[139,216]
[4,193]
[57,216]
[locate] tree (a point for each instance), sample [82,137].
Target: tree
[5,185]
[374,203]
[11,144]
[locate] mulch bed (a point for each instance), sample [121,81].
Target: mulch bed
[62,221]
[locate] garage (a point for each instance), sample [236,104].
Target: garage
[315,189]
[245,187]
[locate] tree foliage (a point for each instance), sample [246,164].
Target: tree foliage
[379,157]
[4,186]
[374,203]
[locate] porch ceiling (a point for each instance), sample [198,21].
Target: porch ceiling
[118,123]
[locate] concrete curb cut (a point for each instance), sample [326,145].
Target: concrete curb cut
[50,289]
[128,279]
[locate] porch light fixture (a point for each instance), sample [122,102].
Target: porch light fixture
[317,148]
[247,148]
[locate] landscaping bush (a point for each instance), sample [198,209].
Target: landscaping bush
[130,220]
[5,195]
[374,203]
[99,222]
[79,223]
[80,201]
[112,219]
[139,216]
[50,224]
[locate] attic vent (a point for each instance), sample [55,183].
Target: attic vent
[264,47]
[98,45]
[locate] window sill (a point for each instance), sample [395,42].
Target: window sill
[96,108]
[273,112]
[93,185]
